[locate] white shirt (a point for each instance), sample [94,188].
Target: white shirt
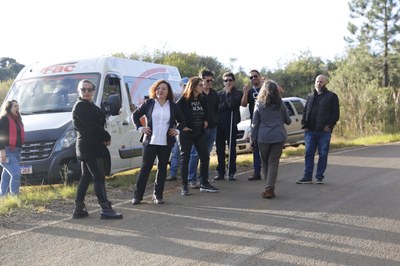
[160,119]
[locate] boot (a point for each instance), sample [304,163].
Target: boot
[80,210]
[107,212]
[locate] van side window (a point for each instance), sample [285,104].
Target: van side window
[289,108]
[111,87]
[299,107]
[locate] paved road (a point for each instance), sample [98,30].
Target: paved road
[353,219]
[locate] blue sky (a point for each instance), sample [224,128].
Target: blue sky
[259,33]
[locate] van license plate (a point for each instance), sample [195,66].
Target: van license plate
[26,169]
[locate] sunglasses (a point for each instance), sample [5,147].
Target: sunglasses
[253,77]
[86,90]
[228,80]
[209,80]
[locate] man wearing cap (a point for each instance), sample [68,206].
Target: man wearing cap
[175,154]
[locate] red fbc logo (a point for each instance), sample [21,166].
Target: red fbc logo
[57,69]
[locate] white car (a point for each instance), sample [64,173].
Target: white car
[295,106]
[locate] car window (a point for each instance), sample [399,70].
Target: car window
[289,108]
[299,106]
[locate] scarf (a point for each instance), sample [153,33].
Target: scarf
[13,131]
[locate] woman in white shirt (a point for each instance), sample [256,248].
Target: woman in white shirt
[164,121]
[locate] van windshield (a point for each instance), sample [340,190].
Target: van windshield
[49,94]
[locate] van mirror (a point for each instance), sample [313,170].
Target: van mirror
[113,105]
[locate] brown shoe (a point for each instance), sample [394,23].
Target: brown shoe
[268,193]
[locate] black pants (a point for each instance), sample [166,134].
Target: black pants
[223,138]
[92,169]
[187,140]
[150,152]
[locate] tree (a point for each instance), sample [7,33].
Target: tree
[189,64]
[9,68]
[298,76]
[365,107]
[379,28]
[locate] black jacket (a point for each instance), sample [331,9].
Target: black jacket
[89,121]
[185,106]
[228,102]
[212,103]
[328,111]
[146,109]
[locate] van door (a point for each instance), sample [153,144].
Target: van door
[119,126]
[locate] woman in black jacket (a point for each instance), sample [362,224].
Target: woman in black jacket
[91,149]
[194,109]
[11,140]
[159,136]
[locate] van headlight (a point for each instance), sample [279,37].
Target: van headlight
[66,141]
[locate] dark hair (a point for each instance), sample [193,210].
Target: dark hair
[153,89]
[206,73]
[80,84]
[190,86]
[229,74]
[6,110]
[255,70]
[269,94]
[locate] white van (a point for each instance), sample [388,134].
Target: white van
[46,95]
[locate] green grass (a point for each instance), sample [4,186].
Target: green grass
[37,197]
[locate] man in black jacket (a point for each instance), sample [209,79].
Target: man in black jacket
[228,118]
[319,118]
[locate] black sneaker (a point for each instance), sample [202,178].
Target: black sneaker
[256,176]
[232,177]
[207,187]
[218,178]
[319,181]
[304,180]
[184,191]
[135,201]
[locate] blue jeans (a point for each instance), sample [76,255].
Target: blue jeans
[210,135]
[175,157]
[314,140]
[11,176]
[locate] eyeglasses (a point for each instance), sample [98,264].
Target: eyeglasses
[86,90]
[228,80]
[253,77]
[209,80]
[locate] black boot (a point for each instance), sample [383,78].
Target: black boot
[80,210]
[107,212]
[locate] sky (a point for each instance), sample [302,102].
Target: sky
[258,33]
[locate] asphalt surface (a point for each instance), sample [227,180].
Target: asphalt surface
[352,219]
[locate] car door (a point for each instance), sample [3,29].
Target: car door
[295,108]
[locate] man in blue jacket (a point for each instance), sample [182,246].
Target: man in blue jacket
[319,118]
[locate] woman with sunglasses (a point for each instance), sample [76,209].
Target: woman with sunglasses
[91,149]
[194,108]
